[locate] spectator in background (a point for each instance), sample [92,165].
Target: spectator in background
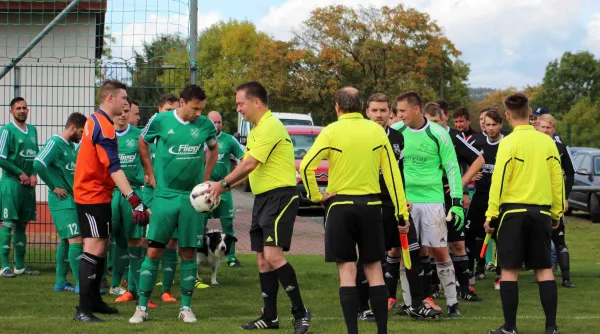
[443,104]
[134,111]
[537,112]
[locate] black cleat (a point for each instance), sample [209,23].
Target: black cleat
[104,308]
[302,323]
[403,310]
[235,263]
[261,323]
[470,297]
[85,317]
[502,330]
[552,330]
[424,311]
[453,311]
[367,315]
[568,284]
[104,284]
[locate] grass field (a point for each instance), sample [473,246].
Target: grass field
[28,304]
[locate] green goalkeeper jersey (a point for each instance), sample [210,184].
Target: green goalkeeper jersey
[55,164]
[129,155]
[227,146]
[18,149]
[427,153]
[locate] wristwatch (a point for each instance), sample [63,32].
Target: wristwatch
[225,184]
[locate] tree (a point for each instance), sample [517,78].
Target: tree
[584,120]
[495,98]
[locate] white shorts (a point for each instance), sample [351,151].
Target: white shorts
[429,220]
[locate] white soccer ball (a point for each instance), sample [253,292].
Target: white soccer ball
[202,202]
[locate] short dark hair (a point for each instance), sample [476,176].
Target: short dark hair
[77,119]
[254,89]
[167,98]
[132,101]
[462,112]
[433,109]
[192,92]
[348,99]
[379,97]
[487,109]
[494,115]
[443,104]
[109,87]
[15,100]
[413,98]
[518,105]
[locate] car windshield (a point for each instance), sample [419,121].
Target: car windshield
[287,121]
[597,165]
[302,144]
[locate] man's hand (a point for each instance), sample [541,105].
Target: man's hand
[33,181]
[458,214]
[466,201]
[404,229]
[555,223]
[24,179]
[141,216]
[326,196]
[409,205]
[487,227]
[149,180]
[477,176]
[215,189]
[61,193]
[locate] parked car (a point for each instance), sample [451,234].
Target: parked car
[587,177]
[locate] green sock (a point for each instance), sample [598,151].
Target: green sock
[148,274]
[62,262]
[121,259]
[5,233]
[169,265]
[136,256]
[75,253]
[489,252]
[126,271]
[187,281]
[20,244]
[227,225]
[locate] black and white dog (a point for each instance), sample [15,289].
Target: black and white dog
[215,248]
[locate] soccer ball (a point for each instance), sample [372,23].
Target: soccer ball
[202,202]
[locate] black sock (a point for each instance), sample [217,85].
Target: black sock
[427,276]
[87,281]
[100,272]
[349,302]
[269,286]
[471,250]
[461,268]
[378,296]
[434,278]
[509,294]
[415,279]
[480,262]
[363,287]
[549,298]
[564,263]
[287,278]
[391,275]
[498,273]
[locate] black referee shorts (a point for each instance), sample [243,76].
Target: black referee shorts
[391,234]
[353,221]
[273,217]
[524,236]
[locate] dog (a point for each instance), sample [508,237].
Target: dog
[215,248]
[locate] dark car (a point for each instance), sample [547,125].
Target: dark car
[587,178]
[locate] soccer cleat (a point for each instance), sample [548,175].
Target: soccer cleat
[502,330]
[85,317]
[159,283]
[552,330]
[76,289]
[126,297]
[472,280]
[67,287]
[104,284]
[302,323]
[432,304]
[235,263]
[435,294]
[124,283]
[261,323]
[26,271]
[186,315]
[470,297]
[453,311]
[424,311]
[7,273]
[403,310]
[480,276]
[490,266]
[391,303]
[151,304]
[200,285]
[117,291]
[104,308]
[471,288]
[497,285]
[368,316]
[139,316]
[568,284]
[167,297]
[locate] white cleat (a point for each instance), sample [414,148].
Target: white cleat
[139,316]
[187,315]
[118,291]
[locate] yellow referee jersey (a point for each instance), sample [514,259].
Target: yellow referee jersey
[528,171]
[357,150]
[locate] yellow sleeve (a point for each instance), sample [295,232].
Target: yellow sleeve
[265,140]
[392,177]
[318,151]
[501,175]
[558,184]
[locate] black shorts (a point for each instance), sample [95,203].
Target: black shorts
[524,235]
[391,234]
[476,215]
[273,217]
[353,221]
[453,234]
[95,220]
[558,235]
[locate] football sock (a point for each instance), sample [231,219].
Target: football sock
[509,295]
[349,302]
[88,270]
[435,280]
[414,278]
[5,234]
[120,262]
[227,226]
[287,277]
[169,265]
[475,255]
[392,271]
[62,263]
[148,273]
[362,284]
[549,299]
[136,256]
[101,268]
[461,269]
[378,296]
[269,284]
[75,253]
[445,271]
[20,244]
[427,273]
[187,281]
[406,295]
[564,262]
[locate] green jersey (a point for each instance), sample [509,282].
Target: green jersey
[179,160]
[129,155]
[55,164]
[227,146]
[426,152]
[18,149]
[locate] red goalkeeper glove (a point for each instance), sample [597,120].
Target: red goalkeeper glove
[140,214]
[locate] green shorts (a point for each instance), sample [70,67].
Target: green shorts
[225,208]
[122,217]
[173,212]
[147,196]
[18,201]
[66,223]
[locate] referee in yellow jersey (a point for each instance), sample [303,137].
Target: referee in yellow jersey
[357,150]
[527,196]
[270,164]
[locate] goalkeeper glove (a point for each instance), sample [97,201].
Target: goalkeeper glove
[140,214]
[458,213]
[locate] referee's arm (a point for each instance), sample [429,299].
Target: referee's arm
[557,182]
[319,151]
[502,171]
[393,178]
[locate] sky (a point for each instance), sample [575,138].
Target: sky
[506,42]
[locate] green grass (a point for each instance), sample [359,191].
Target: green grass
[28,304]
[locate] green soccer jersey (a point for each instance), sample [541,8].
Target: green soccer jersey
[129,155]
[57,169]
[18,148]
[179,160]
[426,152]
[227,146]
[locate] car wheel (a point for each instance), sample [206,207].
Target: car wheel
[595,208]
[569,212]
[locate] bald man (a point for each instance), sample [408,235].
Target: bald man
[228,146]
